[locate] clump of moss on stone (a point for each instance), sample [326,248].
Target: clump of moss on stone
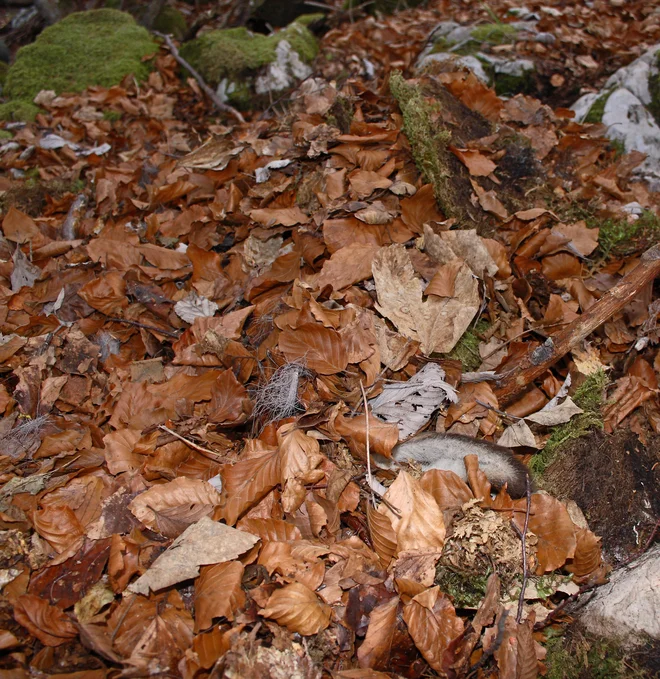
[508,85]
[171,22]
[6,134]
[494,34]
[619,238]
[230,53]
[595,114]
[428,139]
[98,47]
[19,110]
[589,397]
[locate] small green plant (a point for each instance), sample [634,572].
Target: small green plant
[428,139]
[111,115]
[619,238]
[467,349]
[577,656]
[589,397]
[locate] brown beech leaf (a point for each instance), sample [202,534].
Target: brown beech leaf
[120,455]
[378,642]
[169,508]
[477,164]
[48,623]
[218,593]
[347,266]
[561,265]
[321,349]
[299,454]
[245,484]
[58,525]
[383,436]
[287,216]
[267,530]
[210,646]
[298,609]
[365,182]
[550,522]
[106,293]
[230,403]
[383,537]
[587,554]
[433,624]
[420,524]
[436,322]
[448,489]
[19,227]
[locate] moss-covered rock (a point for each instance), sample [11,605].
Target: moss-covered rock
[171,22]
[98,47]
[242,64]
[18,109]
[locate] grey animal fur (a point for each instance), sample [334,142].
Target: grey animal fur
[446,451]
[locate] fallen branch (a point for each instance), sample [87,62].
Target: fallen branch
[516,378]
[209,92]
[204,451]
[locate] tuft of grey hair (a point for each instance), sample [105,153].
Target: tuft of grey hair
[278,398]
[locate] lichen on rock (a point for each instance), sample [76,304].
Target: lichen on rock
[241,64]
[99,47]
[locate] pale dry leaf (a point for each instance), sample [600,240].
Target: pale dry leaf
[205,542]
[466,245]
[298,609]
[193,307]
[169,508]
[410,404]
[557,415]
[518,434]
[437,323]
[420,524]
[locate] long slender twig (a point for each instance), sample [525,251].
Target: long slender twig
[144,326]
[366,419]
[523,541]
[208,91]
[204,451]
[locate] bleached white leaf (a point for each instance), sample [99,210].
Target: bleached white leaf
[193,307]
[518,434]
[557,415]
[410,404]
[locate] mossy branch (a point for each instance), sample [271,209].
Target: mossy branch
[427,142]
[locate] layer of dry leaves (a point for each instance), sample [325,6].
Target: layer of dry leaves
[153,520]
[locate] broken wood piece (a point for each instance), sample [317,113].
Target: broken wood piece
[516,378]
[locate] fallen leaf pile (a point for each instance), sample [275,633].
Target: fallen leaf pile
[190,313]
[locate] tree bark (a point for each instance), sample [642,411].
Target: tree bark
[514,379]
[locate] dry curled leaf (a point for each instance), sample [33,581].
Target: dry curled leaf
[48,623]
[298,609]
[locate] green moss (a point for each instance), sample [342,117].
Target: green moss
[111,115]
[18,110]
[112,4]
[589,397]
[4,69]
[617,238]
[507,85]
[232,52]
[618,147]
[466,590]
[6,134]
[467,349]
[171,22]
[577,656]
[494,34]
[595,114]
[428,140]
[307,20]
[98,47]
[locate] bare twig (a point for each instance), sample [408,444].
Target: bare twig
[516,377]
[501,413]
[550,618]
[366,419]
[144,326]
[523,542]
[209,92]
[204,451]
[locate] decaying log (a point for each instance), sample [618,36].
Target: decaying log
[514,379]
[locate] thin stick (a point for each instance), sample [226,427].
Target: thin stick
[208,91]
[204,451]
[516,377]
[523,541]
[501,413]
[144,326]
[549,619]
[366,419]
